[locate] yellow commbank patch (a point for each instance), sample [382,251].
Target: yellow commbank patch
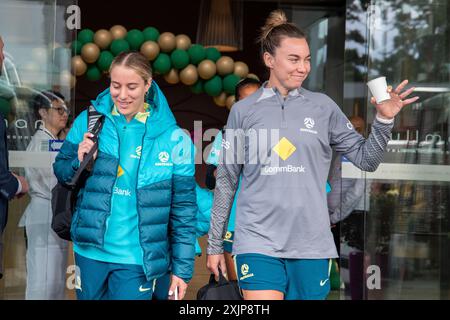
[120,171]
[284,148]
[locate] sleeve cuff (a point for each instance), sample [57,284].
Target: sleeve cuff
[215,246]
[384,121]
[19,187]
[334,218]
[211,251]
[75,164]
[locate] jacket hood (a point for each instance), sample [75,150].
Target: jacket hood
[161,117]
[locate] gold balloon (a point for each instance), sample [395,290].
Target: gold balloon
[221,99]
[150,49]
[182,42]
[240,69]
[230,101]
[207,69]
[167,41]
[172,77]
[79,67]
[252,75]
[90,52]
[103,38]
[225,65]
[189,75]
[118,32]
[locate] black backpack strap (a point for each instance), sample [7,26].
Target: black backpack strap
[95,124]
[93,116]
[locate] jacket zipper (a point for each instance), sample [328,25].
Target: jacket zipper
[115,180]
[137,200]
[137,177]
[281,100]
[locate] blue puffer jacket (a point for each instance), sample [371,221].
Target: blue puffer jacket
[165,191]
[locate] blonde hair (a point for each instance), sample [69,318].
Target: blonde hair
[276,28]
[133,60]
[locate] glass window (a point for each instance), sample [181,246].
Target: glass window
[405,223]
[35,82]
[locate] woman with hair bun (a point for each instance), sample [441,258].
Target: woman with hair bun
[282,241]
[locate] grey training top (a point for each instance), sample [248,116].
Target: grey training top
[283,153]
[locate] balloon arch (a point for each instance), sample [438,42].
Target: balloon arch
[174,57]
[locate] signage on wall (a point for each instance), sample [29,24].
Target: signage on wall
[399,171]
[31,159]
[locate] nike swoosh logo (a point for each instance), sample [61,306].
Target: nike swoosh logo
[322,282]
[144,289]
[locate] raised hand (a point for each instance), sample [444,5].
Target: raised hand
[388,109]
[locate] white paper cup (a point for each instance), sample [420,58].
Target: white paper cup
[378,88]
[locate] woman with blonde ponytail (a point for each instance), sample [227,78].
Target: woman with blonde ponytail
[282,241]
[134,221]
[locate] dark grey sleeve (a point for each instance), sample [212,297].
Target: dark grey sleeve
[366,154]
[227,178]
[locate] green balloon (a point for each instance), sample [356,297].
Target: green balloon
[162,63]
[104,60]
[213,54]
[151,33]
[196,53]
[86,36]
[5,107]
[76,47]
[213,87]
[93,73]
[230,82]
[180,58]
[118,46]
[197,87]
[135,38]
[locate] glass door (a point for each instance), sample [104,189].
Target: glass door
[36,70]
[403,250]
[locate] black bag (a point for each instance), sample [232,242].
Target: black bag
[222,290]
[64,196]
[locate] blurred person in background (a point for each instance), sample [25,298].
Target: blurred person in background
[11,185]
[46,253]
